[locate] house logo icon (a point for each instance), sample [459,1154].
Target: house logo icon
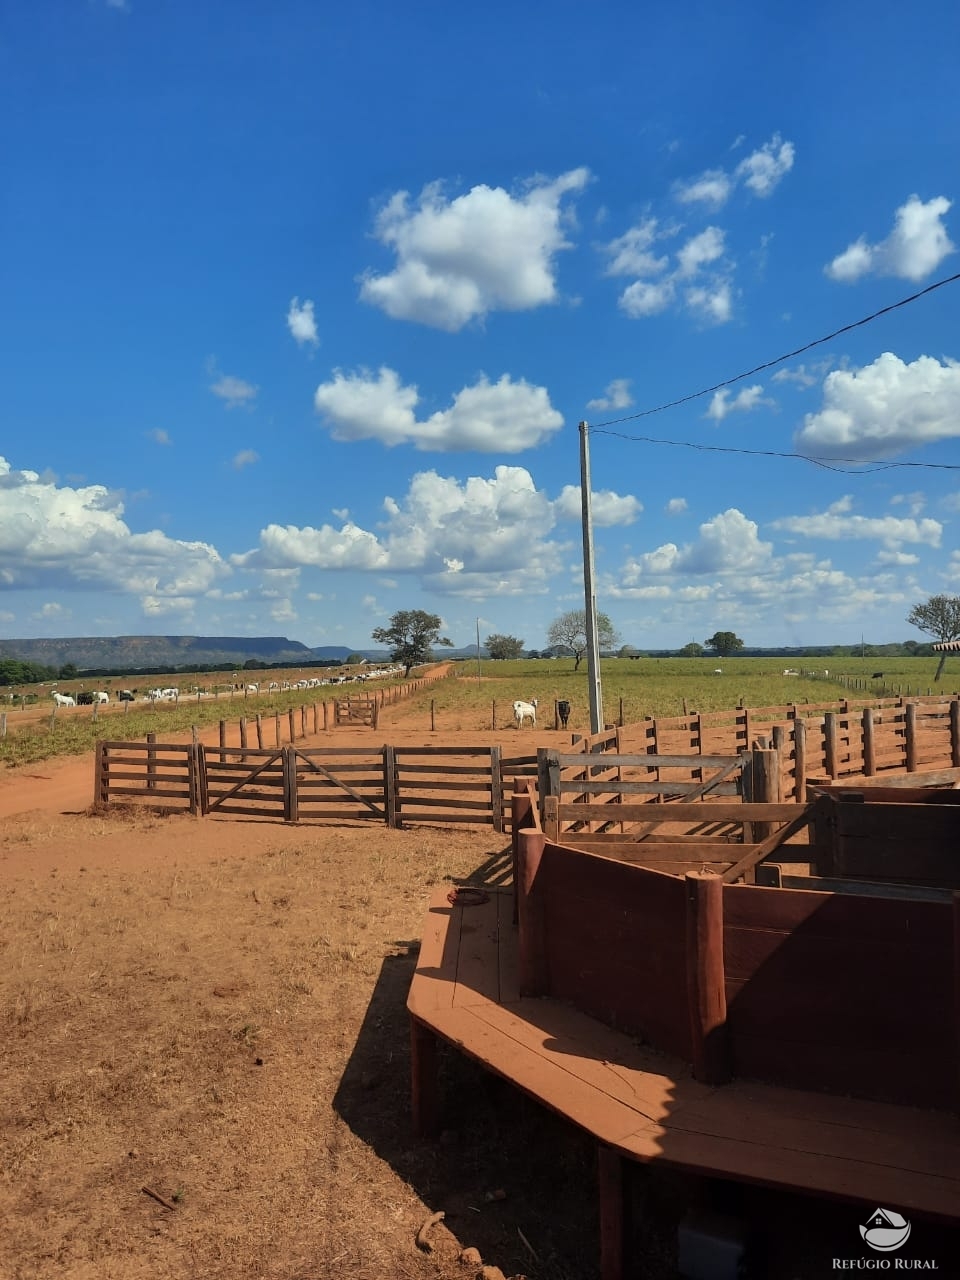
[885,1230]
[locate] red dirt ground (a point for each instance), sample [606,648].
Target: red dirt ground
[213,1009]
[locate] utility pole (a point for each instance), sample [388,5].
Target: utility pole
[589,596]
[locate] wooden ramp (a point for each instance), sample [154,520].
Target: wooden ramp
[644,1105]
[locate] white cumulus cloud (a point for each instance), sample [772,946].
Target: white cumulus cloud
[916,246]
[459,259]
[760,172]
[484,536]
[302,323]
[499,417]
[607,508]
[696,276]
[245,458]
[616,396]
[234,392]
[838,524]
[883,409]
[722,405]
[69,538]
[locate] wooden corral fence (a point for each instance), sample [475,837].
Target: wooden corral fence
[814,741]
[165,774]
[393,785]
[832,991]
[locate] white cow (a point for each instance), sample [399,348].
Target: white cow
[101,697]
[64,700]
[525,710]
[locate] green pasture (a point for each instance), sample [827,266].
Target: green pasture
[667,686]
[647,686]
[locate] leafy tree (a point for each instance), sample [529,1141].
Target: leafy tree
[570,631]
[68,671]
[692,650]
[627,651]
[504,646]
[939,616]
[724,643]
[411,635]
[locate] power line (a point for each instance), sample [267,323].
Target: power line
[856,466]
[769,364]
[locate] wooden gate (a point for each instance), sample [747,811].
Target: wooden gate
[353,709]
[325,778]
[251,781]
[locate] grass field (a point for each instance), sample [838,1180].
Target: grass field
[646,686]
[663,686]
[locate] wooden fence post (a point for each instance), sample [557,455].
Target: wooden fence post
[955,733]
[390,787]
[496,788]
[192,780]
[800,759]
[3,724]
[290,798]
[433,721]
[869,743]
[303,720]
[533,959]
[911,743]
[101,781]
[151,762]
[493,715]
[325,714]
[830,745]
[223,738]
[277,727]
[316,718]
[706,988]
[243,733]
[293,732]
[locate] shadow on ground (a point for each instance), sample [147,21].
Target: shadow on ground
[519,1183]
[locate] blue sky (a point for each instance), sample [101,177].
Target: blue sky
[304,304]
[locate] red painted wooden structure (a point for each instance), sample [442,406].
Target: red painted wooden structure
[795,1038]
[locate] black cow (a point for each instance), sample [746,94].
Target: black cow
[877,675]
[563,711]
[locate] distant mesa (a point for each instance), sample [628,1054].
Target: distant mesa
[133,653]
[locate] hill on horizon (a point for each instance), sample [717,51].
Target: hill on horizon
[139,652]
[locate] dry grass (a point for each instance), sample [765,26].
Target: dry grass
[228,1028]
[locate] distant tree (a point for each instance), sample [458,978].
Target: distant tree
[353,660]
[692,650]
[940,617]
[68,671]
[627,651]
[411,635]
[504,646]
[255,664]
[724,643]
[570,631]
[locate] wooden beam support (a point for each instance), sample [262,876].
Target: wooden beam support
[706,989]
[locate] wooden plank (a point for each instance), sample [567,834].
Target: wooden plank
[889,1073]
[613,787]
[697,811]
[435,975]
[478,970]
[453,752]
[834,915]
[436,784]
[675,761]
[508,948]
[481,770]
